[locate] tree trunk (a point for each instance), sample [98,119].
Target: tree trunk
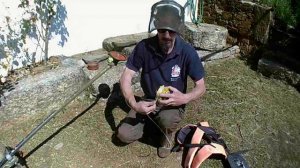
[46,43]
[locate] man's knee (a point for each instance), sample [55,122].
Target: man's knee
[170,119]
[128,134]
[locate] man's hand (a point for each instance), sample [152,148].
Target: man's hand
[174,98]
[144,107]
[177,98]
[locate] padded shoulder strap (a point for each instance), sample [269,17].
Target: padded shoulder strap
[196,139]
[215,146]
[205,152]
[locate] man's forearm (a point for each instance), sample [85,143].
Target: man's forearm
[129,96]
[197,92]
[125,83]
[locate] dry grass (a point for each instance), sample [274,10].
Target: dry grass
[250,111]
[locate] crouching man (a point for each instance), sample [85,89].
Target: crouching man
[165,59]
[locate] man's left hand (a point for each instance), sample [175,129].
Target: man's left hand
[174,98]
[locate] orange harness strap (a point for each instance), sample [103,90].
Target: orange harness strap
[205,152]
[191,152]
[196,155]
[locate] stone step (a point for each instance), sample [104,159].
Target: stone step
[119,42]
[95,55]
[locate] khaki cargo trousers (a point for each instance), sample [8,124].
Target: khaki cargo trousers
[133,126]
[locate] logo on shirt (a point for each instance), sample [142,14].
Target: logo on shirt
[175,71]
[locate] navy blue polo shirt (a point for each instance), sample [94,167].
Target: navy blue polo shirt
[169,70]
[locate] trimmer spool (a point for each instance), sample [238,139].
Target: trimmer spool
[12,161]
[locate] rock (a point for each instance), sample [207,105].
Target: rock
[128,50]
[122,44]
[283,57]
[119,42]
[271,68]
[205,36]
[96,55]
[58,146]
[264,20]
[44,92]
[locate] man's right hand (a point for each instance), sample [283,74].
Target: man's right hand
[144,107]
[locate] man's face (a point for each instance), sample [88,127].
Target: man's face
[166,40]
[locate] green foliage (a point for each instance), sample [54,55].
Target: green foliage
[285,10]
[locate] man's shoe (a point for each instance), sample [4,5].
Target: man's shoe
[166,146]
[163,151]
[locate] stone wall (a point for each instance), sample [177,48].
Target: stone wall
[248,23]
[249,26]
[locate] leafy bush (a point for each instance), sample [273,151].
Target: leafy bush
[287,11]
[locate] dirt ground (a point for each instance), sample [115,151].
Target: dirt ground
[247,109]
